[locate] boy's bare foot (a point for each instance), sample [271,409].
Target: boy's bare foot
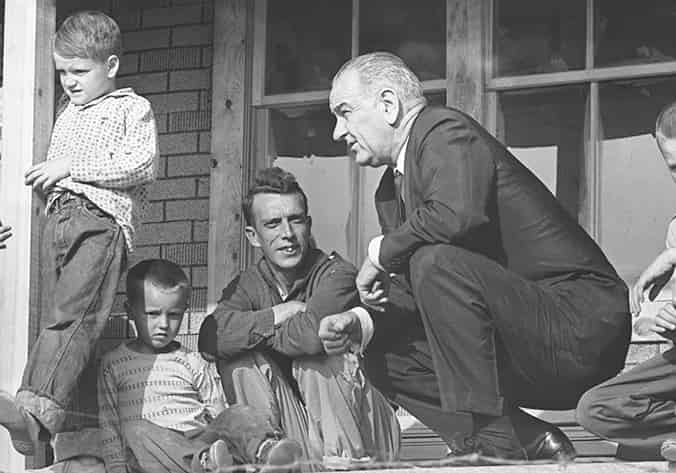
[22,427]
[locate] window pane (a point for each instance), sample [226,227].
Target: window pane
[307,41]
[637,193]
[415,31]
[301,143]
[631,32]
[537,36]
[544,129]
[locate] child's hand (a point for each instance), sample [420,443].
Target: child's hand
[44,175]
[654,277]
[665,321]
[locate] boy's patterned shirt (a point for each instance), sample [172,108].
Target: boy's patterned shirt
[112,143]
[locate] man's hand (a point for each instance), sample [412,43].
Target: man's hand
[44,175]
[5,233]
[663,324]
[654,277]
[287,310]
[339,331]
[373,285]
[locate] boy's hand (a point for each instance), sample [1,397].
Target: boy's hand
[286,310]
[44,175]
[339,331]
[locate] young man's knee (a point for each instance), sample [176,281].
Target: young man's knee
[588,412]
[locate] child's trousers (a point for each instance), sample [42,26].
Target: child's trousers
[83,257]
[160,450]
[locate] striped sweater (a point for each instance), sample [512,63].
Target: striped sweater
[178,390]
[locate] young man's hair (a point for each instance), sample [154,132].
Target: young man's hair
[88,35]
[272,180]
[162,273]
[666,121]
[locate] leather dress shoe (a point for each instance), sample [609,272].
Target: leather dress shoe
[473,452]
[551,445]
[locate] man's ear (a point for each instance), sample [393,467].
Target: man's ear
[252,236]
[391,106]
[113,64]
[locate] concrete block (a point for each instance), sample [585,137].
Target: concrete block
[196,316]
[174,101]
[167,232]
[145,83]
[139,4]
[128,19]
[205,142]
[146,39]
[178,143]
[205,100]
[179,15]
[207,56]
[192,35]
[193,209]
[189,2]
[190,121]
[162,122]
[190,79]
[199,276]
[203,187]
[189,165]
[154,212]
[171,59]
[186,254]
[129,64]
[208,12]
[143,252]
[164,189]
[200,230]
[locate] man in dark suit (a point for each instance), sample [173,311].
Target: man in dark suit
[507,301]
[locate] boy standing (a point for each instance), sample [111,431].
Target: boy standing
[101,156]
[636,408]
[166,405]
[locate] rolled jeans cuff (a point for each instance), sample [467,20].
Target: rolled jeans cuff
[85,442]
[50,414]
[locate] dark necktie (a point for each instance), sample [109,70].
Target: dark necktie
[398,187]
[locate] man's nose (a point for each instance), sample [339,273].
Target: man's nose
[163,321]
[68,81]
[339,130]
[285,229]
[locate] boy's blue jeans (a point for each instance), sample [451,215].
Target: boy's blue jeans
[83,257]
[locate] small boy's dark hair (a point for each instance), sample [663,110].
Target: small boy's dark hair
[666,121]
[162,273]
[90,35]
[272,180]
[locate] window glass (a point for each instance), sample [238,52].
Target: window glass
[630,32]
[544,129]
[415,31]
[539,36]
[637,194]
[301,142]
[307,41]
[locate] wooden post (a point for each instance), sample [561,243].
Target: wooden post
[229,105]
[28,97]
[465,56]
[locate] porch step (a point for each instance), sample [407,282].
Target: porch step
[420,443]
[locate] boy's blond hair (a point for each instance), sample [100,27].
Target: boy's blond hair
[90,35]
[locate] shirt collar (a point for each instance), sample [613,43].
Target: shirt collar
[408,121]
[124,92]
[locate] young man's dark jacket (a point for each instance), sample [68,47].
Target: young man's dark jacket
[244,320]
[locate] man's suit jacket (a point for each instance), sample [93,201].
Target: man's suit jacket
[463,187]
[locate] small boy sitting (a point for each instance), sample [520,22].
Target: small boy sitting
[164,404]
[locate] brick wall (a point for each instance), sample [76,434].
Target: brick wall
[168,49]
